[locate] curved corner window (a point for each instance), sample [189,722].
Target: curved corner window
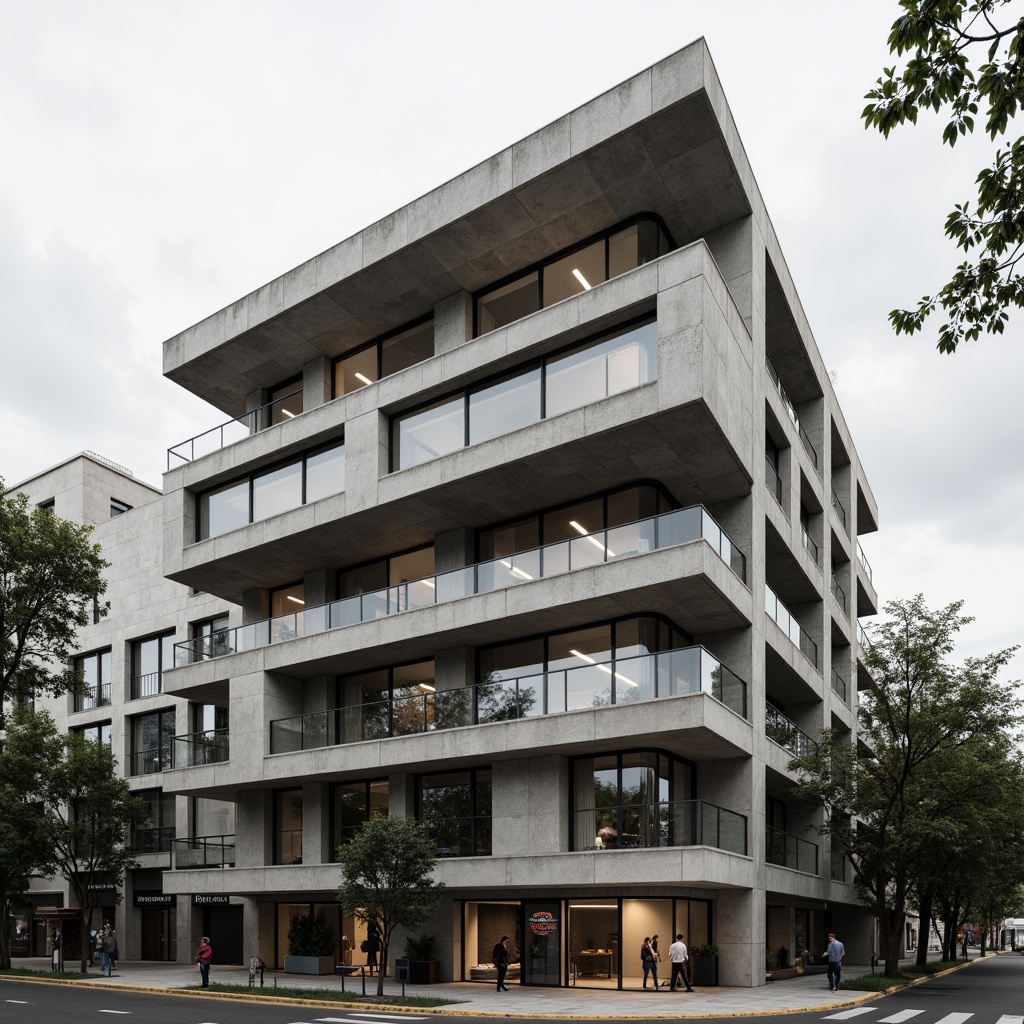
[570,272]
[288,485]
[604,366]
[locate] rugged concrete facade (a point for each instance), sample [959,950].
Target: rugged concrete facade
[734,412]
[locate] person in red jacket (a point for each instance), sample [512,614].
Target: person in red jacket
[203,958]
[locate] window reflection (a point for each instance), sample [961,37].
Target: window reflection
[383,357]
[286,401]
[276,491]
[424,435]
[509,302]
[505,406]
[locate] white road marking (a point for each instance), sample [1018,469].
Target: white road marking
[1011,1018]
[847,1014]
[126,1012]
[387,1016]
[954,1018]
[899,1018]
[20,1002]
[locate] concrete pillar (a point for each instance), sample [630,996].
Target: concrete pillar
[316,383]
[453,322]
[739,934]
[453,549]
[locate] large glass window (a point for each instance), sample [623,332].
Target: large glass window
[585,373]
[299,481]
[352,804]
[98,733]
[94,671]
[285,401]
[570,273]
[396,701]
[382,357]
[152,742]
[288,826]
[456,808]
[150,659]
[212,817]
[156,831]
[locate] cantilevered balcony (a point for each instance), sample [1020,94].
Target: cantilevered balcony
[787,622]
[203,852]
[682,526]
[197,748]
[839,687]
[789,851]
[624,681]
[781,730]
[792,413]
[666,823]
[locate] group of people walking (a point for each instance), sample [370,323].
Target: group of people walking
[678,956]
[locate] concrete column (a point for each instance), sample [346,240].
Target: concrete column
[318,587]
[315,829]
[453,549]
[739,934]
[255,605]
[401,795]
[253,829]
[453,322]
[256,400]
[316,383]
[454,668]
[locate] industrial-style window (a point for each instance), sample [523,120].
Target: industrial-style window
[297,481]
[352,804]
[605,365]
[94,671]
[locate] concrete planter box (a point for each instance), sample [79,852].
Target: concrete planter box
[418,972]
[704,970]
[309,965]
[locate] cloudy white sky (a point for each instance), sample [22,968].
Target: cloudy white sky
[159,160]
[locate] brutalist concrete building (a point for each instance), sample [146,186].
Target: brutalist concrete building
[537,519]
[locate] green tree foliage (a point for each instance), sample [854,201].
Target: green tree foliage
[904,806]
[388,882]
[51,579]
[961,61]
[24,847]
[90,814]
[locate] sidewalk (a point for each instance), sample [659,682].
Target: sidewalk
[806,992]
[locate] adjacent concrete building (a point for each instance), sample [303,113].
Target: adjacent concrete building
[537,519]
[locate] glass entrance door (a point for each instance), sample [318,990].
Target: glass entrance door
[542,942]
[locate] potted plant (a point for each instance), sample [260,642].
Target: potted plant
[704,964]
[419,960]
[310,946]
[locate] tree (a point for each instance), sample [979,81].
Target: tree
[960,60]
[51,579]
[934,737]
[387,882]
[24,848]
[90,813]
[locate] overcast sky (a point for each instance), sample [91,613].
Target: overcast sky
[159,160]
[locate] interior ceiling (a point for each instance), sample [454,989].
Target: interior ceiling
[674,163]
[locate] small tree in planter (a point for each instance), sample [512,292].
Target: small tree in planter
[704,959]
[310,946]
[419,951]
[387,869]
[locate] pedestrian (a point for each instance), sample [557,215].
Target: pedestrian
[97,944]
[658,956]
[203,957]
[500,958]
[649,961]
[835,951]
[371,947]
[678,955]
[109,946]
[963,947]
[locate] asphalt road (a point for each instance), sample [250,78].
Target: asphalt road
[989,993]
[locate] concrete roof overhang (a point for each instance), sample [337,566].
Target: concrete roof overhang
[661,142]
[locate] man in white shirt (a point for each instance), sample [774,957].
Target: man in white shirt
[678,955]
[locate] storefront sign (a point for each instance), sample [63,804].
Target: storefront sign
[211,901]
[543,923]
[155,899]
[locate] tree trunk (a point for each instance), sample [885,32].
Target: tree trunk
[925,919]
[891,937]
[382,966]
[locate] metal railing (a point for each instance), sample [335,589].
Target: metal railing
[197,748]
[203,852]
[148,762]
[226,434]
[662,824]
[862,558]
[785,620]
[667,530]
[97,697]
[790,851]
[810,547]
[839,686]
[779,729]
[153,840]
[838,593]
[647,677]
[791,410]
[862,637]
[840,511]
[148,685]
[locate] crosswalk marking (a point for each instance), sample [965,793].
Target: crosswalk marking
[386,1016]
[847,1014]
[1011,1018]
[954,1018]
[899,1018]
[20,1002]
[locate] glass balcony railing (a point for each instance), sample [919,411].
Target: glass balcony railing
[196,748]
[838,593]
[233,430]
[148,685]
[664,824]
[203,852]
[791,412]
[461,837]
[623,681]
[810,547]
[839,687]
[781,730]
[153,840]
[840,511]
[790,851]
[148,762]
[785,620]
[862,637]
[668,530]
[862,558]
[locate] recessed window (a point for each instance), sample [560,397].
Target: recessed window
[50,504]
[150,659]
[98,733]
[383,357]
[285,401]
[456,809]
[94,671]
[118,508]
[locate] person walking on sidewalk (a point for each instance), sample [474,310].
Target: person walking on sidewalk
[109,961]
[204,955]
[649,962]
[678,955]
[835,951]
[500,957]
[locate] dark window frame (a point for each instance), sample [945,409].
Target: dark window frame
[473,800]
[98,655]
[379,343]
